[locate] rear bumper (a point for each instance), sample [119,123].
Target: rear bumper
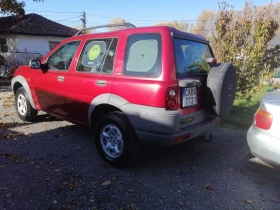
[157,126]
[264,147]
[167,140]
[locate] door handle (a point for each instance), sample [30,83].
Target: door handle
[101,82]
[60,78]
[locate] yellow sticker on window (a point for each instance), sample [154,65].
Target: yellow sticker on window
[94,52]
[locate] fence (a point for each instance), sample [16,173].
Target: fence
[15,59]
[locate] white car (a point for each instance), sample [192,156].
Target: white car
[264,135]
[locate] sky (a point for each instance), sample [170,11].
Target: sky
[139,13]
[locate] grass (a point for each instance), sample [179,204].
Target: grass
[242,114]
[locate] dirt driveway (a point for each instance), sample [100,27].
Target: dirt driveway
[53,164]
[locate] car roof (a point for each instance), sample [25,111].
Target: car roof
[148,29]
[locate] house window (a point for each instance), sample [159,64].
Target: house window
[3,45]
[53,44]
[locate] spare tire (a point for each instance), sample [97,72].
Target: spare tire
[221,89]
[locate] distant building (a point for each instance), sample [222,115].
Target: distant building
[24,37]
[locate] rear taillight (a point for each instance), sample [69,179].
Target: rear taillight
[171,98]
[263,119]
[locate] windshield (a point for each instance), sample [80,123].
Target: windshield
[191,57]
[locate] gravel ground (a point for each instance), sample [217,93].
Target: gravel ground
[53,164]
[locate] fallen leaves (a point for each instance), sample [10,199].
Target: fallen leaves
[68,206]
[4,115]
[274,200]
[12,135]
[69,180]
[71,184]
[209,187]
[13,157]
[131,206]
[248,201]
[9,101]
[131,190]
[180,203]
[5,125]
[106,183]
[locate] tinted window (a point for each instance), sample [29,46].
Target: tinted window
[61,58]
[98,56]
[143,55]
[191,57]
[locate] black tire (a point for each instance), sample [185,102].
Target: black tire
[221,89]
[130,149]
[30,114]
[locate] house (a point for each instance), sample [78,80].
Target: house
[25,37]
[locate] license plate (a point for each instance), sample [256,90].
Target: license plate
[189,96]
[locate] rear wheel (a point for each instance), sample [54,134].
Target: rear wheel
[23,106]
[116,140]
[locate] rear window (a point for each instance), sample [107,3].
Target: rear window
[191,57]
[143,55]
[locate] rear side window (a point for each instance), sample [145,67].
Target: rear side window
[143,55]
[98,56]
[191,57]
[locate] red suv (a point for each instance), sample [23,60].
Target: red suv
[148,85]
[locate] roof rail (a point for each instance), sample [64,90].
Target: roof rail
[127,25]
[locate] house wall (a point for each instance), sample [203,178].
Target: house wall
[36,44]
[11,42]
[22,48]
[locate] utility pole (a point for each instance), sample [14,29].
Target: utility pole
[83,19]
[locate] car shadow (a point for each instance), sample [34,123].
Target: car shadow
[47,118]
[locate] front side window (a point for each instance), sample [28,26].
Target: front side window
[191,57]
[143,55]
[98,56]
[62,58]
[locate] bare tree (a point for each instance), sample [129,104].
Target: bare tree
[205,23]
[116,21]
[182,25]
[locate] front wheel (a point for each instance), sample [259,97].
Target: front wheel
[116,140]
[23,106]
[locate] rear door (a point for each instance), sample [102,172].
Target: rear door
[191,72]
[51,86]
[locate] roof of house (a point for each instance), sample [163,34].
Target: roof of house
[34,24]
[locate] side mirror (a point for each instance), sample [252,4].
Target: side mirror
[35,64]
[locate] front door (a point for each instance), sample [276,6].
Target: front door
[51,87]
[93,76]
